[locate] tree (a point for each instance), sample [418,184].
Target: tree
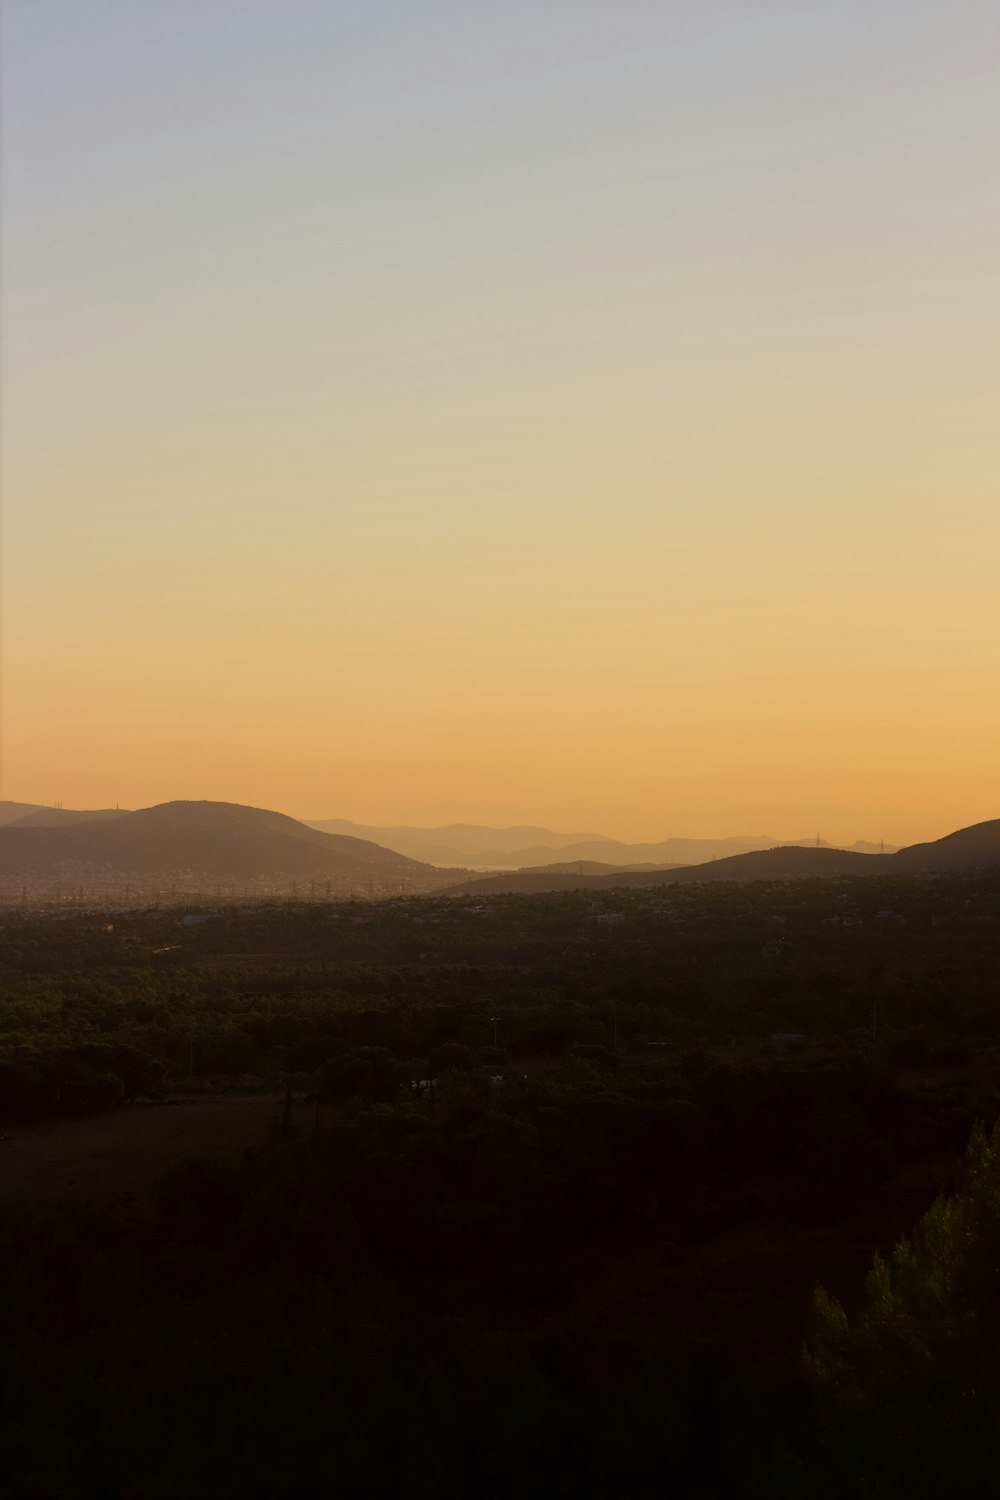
[909,1388]
[364,1073]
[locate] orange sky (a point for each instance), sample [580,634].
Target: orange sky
[584,416]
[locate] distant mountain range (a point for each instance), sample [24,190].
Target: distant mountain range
[588,867]
[976,847]
[530,848]
[462,843]
[197,845]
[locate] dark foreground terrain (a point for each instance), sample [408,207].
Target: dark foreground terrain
[522,1197]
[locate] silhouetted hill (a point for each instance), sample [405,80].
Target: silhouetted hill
[558,877]
[585,867]
[525,883]
[969,848]
[194,846]
[665,853]
[211,843]
[11,811]
[458,843]
[509,849]
[64,817]
[786,863]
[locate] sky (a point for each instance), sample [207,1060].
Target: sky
[580,413]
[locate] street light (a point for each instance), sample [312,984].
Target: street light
[496,1023]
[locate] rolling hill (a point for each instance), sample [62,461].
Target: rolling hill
[462,843]
[557,877]
[200,846]
[64,817]
[197,845]
[523,848]
[976,847]
[11,811]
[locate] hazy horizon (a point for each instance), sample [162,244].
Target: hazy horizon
[578,421]
[654,830]
[651,834]
[582,416]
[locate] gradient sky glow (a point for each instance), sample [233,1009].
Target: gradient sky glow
[563,412]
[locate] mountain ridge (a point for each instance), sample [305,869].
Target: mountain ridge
[974,847]
[499,849]
[208,842]
[192,845]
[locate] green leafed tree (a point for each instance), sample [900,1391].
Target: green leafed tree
[909,1386]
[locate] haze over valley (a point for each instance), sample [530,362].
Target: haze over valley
[179,850]
[518,848]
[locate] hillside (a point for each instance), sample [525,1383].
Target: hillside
[664,853]
[521,848]
[977,847]
[197,845]
[585,867]
[10,812]
[64,817]
[558,877]
[221,847]
[785,863]
[461,843]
